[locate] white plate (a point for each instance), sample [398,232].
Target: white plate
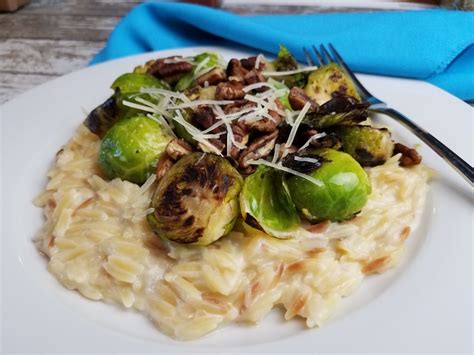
[423,305]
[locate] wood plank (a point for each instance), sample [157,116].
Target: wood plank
[115,8]
[84,28]
[14,84]
[45,57]
[261,9]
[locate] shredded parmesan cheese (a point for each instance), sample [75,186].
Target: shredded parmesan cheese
[298,121]
[312,138]
[279,166]
[289,72]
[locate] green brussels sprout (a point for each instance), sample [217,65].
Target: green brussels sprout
[196,202]
[329,79]
[266,204]
[285,62]
[132,83]
[340,110]
[187,80]
[368,145]
[131,148]
[343,191]
[126,87]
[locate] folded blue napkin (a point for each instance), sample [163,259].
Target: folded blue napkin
[432,45]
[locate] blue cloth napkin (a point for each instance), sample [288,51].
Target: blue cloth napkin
[432,45]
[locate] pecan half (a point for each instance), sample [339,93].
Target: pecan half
[178,148]
[169,67]
[203,117]
[254,76]
[238,105]
[236,70]
[241,135]
[212,77]
[249,63]
[265,125]
[409,155]
[298,98]
[231,90]
[259,148]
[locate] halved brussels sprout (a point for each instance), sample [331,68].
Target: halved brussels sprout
[265,200]
[340,110]
[209,59]
[131,148]
[368,145]
[196,202]
[343,192]
[329,79]
[132,83]
[104,116]
[126,87]
[285,62]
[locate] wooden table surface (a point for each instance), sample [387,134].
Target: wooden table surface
[49,38]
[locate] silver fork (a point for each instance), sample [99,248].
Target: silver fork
[324,57]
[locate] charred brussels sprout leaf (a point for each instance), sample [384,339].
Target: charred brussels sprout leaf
[131,149]
[126,87]
[102,117]
[196,202]
[202,63]
[265,199]
[368,145]
[343,191]
[286,62]
[340,110]
[328,80]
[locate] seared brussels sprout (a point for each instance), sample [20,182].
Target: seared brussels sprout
[126,87]
[285,62]
[343,190]
[103,117]
[329,79]
[265,203]
[210,60]
[196,202]
[131,148]
[340,110]
[368,145]
[133,82]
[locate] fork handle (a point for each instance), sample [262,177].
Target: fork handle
[456,162]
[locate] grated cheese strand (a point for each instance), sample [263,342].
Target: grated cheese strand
[312,138]
[202,102]
[298,121]
[276,153]
[138,106]
[279,166]
[260,58]
[289,72]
